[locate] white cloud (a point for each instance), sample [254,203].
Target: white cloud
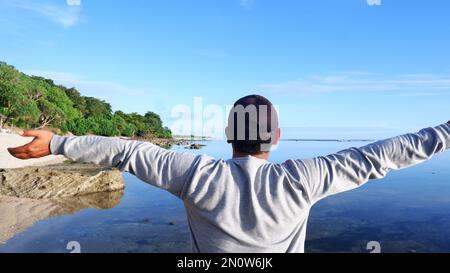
[66,14]
[89,87]
[404,85]
[73,2]
[120,96]
[374,2]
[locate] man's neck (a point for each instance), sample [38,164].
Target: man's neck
[260,155]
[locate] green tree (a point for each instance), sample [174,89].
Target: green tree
[97,108]
[78,101]
[14,102]
[32,101]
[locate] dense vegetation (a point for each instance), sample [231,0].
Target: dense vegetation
[36,102]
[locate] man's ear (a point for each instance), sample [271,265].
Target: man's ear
[277,137]
[228,134]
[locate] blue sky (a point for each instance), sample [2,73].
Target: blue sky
[334,68]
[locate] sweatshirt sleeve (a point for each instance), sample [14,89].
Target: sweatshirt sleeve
[350,168]
[157,166]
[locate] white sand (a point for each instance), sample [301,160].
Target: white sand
[8,162]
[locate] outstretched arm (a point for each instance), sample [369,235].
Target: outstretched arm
[159,167]
[350,168]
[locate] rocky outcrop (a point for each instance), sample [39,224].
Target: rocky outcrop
[58,181]
[30,194]
[195,146]
[179,141]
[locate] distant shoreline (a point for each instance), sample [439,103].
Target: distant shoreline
[198,138]
[326,140]
[192,138]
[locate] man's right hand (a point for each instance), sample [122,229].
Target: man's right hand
[39,147]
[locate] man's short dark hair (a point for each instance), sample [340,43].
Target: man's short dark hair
[252,123]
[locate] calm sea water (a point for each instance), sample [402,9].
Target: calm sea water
[409,211]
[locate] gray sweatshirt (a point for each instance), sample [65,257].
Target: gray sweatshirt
[248,204]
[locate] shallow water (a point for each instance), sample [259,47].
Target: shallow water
[409,211]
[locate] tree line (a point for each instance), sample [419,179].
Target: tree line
[37,102]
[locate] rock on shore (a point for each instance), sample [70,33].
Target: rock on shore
[31,194]
[58,181]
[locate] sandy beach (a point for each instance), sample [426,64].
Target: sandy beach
[13,140]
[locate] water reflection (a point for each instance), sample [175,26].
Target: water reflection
[18,214]
[406,212]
